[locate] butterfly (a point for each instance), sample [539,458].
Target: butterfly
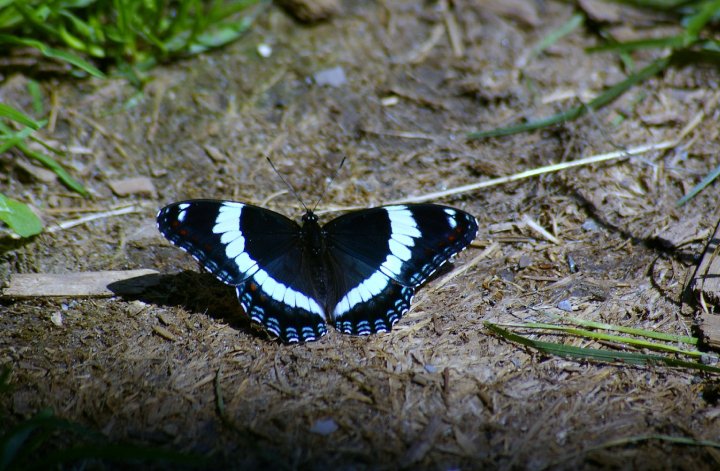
[358,272]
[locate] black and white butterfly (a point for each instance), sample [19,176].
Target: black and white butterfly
[358,272]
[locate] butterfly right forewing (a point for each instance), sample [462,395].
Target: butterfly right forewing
[395,249]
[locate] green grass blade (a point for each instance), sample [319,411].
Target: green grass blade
[52,164]
[709,178]
[12,442]
[697,22]
[569,351]
[630,46]
[591,334]
[118,453]
[31,16]
[19,217]
[12,139]
[219,36]
[606,97]
[11,113]
[627,330]
[53,53]
[554,36]
[656,4]
[48,162]
[35,93]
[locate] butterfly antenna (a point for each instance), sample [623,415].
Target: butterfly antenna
[292,190]
[327,187]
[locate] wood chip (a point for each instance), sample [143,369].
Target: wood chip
[705,285]
[709,327]
[42,174]
[215,154]
[519,10]
[424,443]
[164,333]
[599,10]
[86,284]
[679,233]
[310,11]
[132,186]
[706,282]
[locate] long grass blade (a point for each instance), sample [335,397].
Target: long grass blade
[630,46]
[626,330]
[569,351]
[619,339]
[606,97]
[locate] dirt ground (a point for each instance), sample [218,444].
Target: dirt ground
[439,391]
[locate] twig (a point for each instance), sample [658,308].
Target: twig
[91,217]
[484,254]
[540,171]
[535,226]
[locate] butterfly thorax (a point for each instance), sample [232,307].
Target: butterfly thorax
[312,234]
[314,248]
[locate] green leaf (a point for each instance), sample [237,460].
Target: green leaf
[19,217]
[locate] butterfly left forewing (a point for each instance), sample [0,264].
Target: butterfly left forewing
[257,251]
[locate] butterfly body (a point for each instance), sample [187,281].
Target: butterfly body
[358,272]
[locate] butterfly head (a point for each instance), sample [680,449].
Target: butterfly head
[309,217]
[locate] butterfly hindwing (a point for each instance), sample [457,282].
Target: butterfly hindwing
[256,250]
[393,250]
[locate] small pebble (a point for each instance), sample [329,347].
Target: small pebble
[132,186]
[524,262]
[572,266]
[333,77]
[707,359]
[590,225]
[565,305]
[56,318]
[391,100]
[264,50]
[324,427]
[506,274]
